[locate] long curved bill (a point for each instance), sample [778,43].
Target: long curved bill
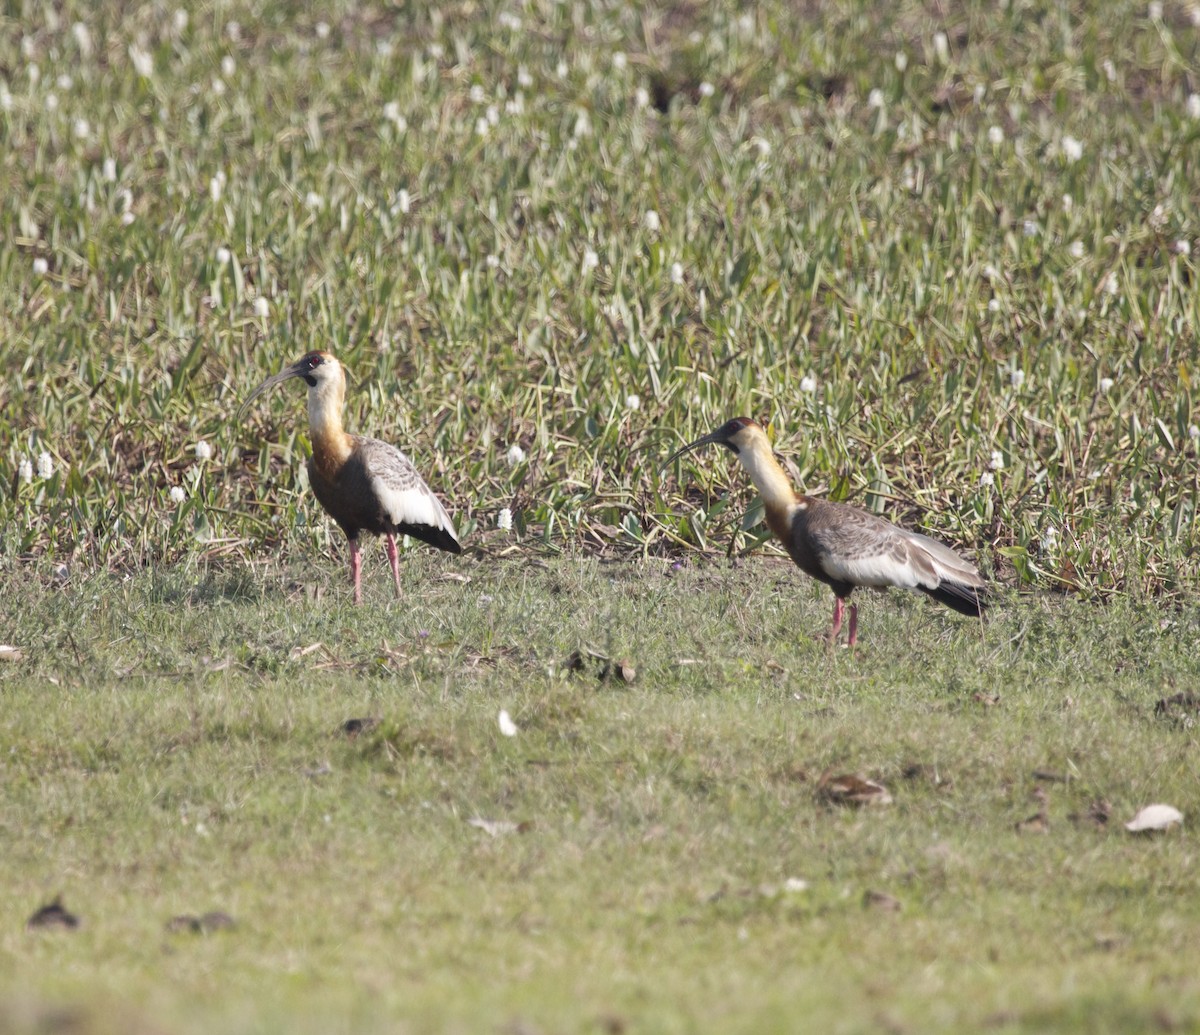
[295,370]
[704,440]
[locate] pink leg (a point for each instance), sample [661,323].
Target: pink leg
[837,619]
[394,560]
[853,624]
[356,570]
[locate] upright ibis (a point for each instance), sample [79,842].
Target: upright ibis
[365,485]
[842,546]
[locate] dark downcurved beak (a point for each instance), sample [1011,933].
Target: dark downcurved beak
[295,370]
[712,437]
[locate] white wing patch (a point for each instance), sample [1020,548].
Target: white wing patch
[882,569]
[402,492]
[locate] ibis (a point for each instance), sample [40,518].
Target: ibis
[841,545]
[365,485]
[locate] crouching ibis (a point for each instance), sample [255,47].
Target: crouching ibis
[365,485]
[842,546]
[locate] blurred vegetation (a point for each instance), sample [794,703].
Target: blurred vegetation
[950,258]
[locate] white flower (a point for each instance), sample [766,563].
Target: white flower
[262,308]
[1193,105]
[322,30]
[180,20]
[504,520]
[40,266]
[583,125]
[995,136]
[1017,378]
[633,402]
[1072,149]
[677,273]
[228,66]
[1076,249]
[1183,247]
[1049,538]
[979,93]
[52,102]
[45,465]
[993,305]
[223,255]
[901,61]
[997,461]
[987,480]
[507,726]
[476,94]
[641,97]
[1155,10]
[619,61]
[651,221]
[403,201]
[590,261]
[515,455]
[1193,432]
[808,383]
[203,450]
[143,62]
[1031,228]
[6,98]
[177,494]
[25,471]
[313,200]
[1110,70]
[492,115]
[216,187]
[508,20]
[763,146]
[128,219]
[941,46]
[707,89]
[109,170]
[1112,285]
[524,79]
[875,98]
[83,38]
[1105,384]
[82,129]
[990,272]
[481,127]
[492,261]
[561,70]
[1068,202]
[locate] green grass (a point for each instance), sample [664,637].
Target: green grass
[171,752]
[955,274]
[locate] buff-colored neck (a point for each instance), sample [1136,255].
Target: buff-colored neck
[325,402]
[767,475]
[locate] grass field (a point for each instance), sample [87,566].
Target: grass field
[949,255]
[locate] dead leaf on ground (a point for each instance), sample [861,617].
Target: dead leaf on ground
[1153,818]
[206,924]
[353,727]
[622,670]
[1048,776]
[882,901]
[304,652]
[850,789]
[499,827]
[987,700]
[454,576]
[1098,813]
[1039,823]
[1182,709]
[11,653]
[51,915]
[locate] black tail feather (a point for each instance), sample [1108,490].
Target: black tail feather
[966,600]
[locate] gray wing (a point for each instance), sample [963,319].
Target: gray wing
[402,492]
[864,550]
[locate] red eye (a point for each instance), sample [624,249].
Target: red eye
[314,361]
